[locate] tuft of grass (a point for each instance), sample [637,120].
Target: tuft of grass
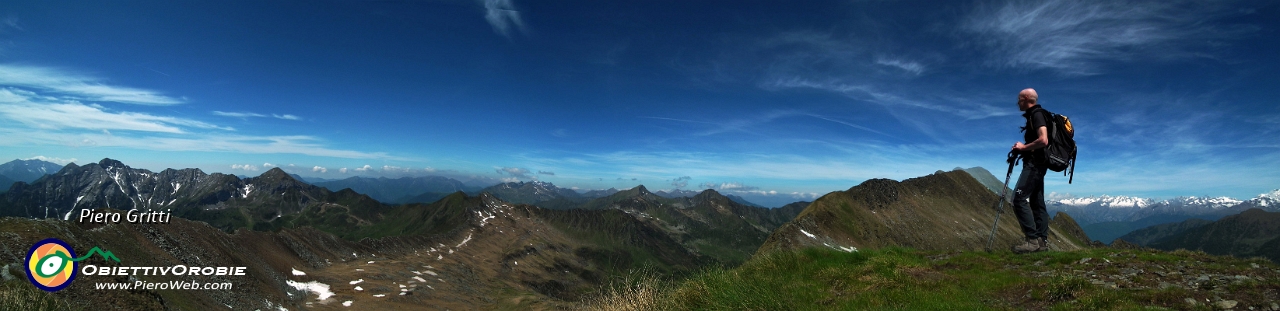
[637,290]
[17,295]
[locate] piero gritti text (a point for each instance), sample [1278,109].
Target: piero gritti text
[131,216]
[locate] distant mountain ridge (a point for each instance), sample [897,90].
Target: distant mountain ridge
[1254,232]
[5,183]
[709,223]
[1108,217]
[395,190]
[27,170]
[530,192]
[1124,208]
[1152,234]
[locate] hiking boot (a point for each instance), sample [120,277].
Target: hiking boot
[1030,245]
[1044,245]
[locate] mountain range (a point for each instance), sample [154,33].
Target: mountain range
[1108,217]
[27,170]
[309,247]
[506,248]
[224,201]
[1254,232]
[399,190]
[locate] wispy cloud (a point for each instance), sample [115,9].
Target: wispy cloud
[748,125]
[515,172]
[681,182]
[319,169]
[729,186]
[245,167]
[364,168]
[956,105]
[305,145]
[255,115]
[10,23]
[503,16]
[52,113]
[1074,37]
[238,114]
[78,87]
[905,65]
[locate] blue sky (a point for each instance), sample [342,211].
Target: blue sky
[776,101]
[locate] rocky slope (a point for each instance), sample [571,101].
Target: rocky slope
[943,211]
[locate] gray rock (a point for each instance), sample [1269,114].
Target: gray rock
[1085,260]
[1226,304]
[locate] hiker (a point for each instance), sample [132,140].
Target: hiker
[1028,197]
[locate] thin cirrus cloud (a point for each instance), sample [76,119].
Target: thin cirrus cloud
[304,145]
[969,109]
[905,65]
[1074,37]
[255,115]
[503,16]
[79,87]
[516,172]
[43,106]
[45,112]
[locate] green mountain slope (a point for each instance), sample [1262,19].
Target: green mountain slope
[1151,234]
[708,223]
[943,211]
[1250,233]
[905,279]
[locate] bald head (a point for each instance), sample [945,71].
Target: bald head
[1027,99]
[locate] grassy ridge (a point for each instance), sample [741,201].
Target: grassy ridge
[906,279]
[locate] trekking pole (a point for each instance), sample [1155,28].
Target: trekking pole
[1013,161]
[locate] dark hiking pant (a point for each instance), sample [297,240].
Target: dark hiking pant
[1028,202]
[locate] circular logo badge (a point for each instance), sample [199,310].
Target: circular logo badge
[49,265]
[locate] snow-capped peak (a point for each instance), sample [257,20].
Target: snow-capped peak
[1107,201]
[1267,199]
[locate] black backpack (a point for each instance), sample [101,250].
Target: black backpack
[1061,152]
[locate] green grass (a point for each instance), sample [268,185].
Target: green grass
[21,295]
[906,279]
